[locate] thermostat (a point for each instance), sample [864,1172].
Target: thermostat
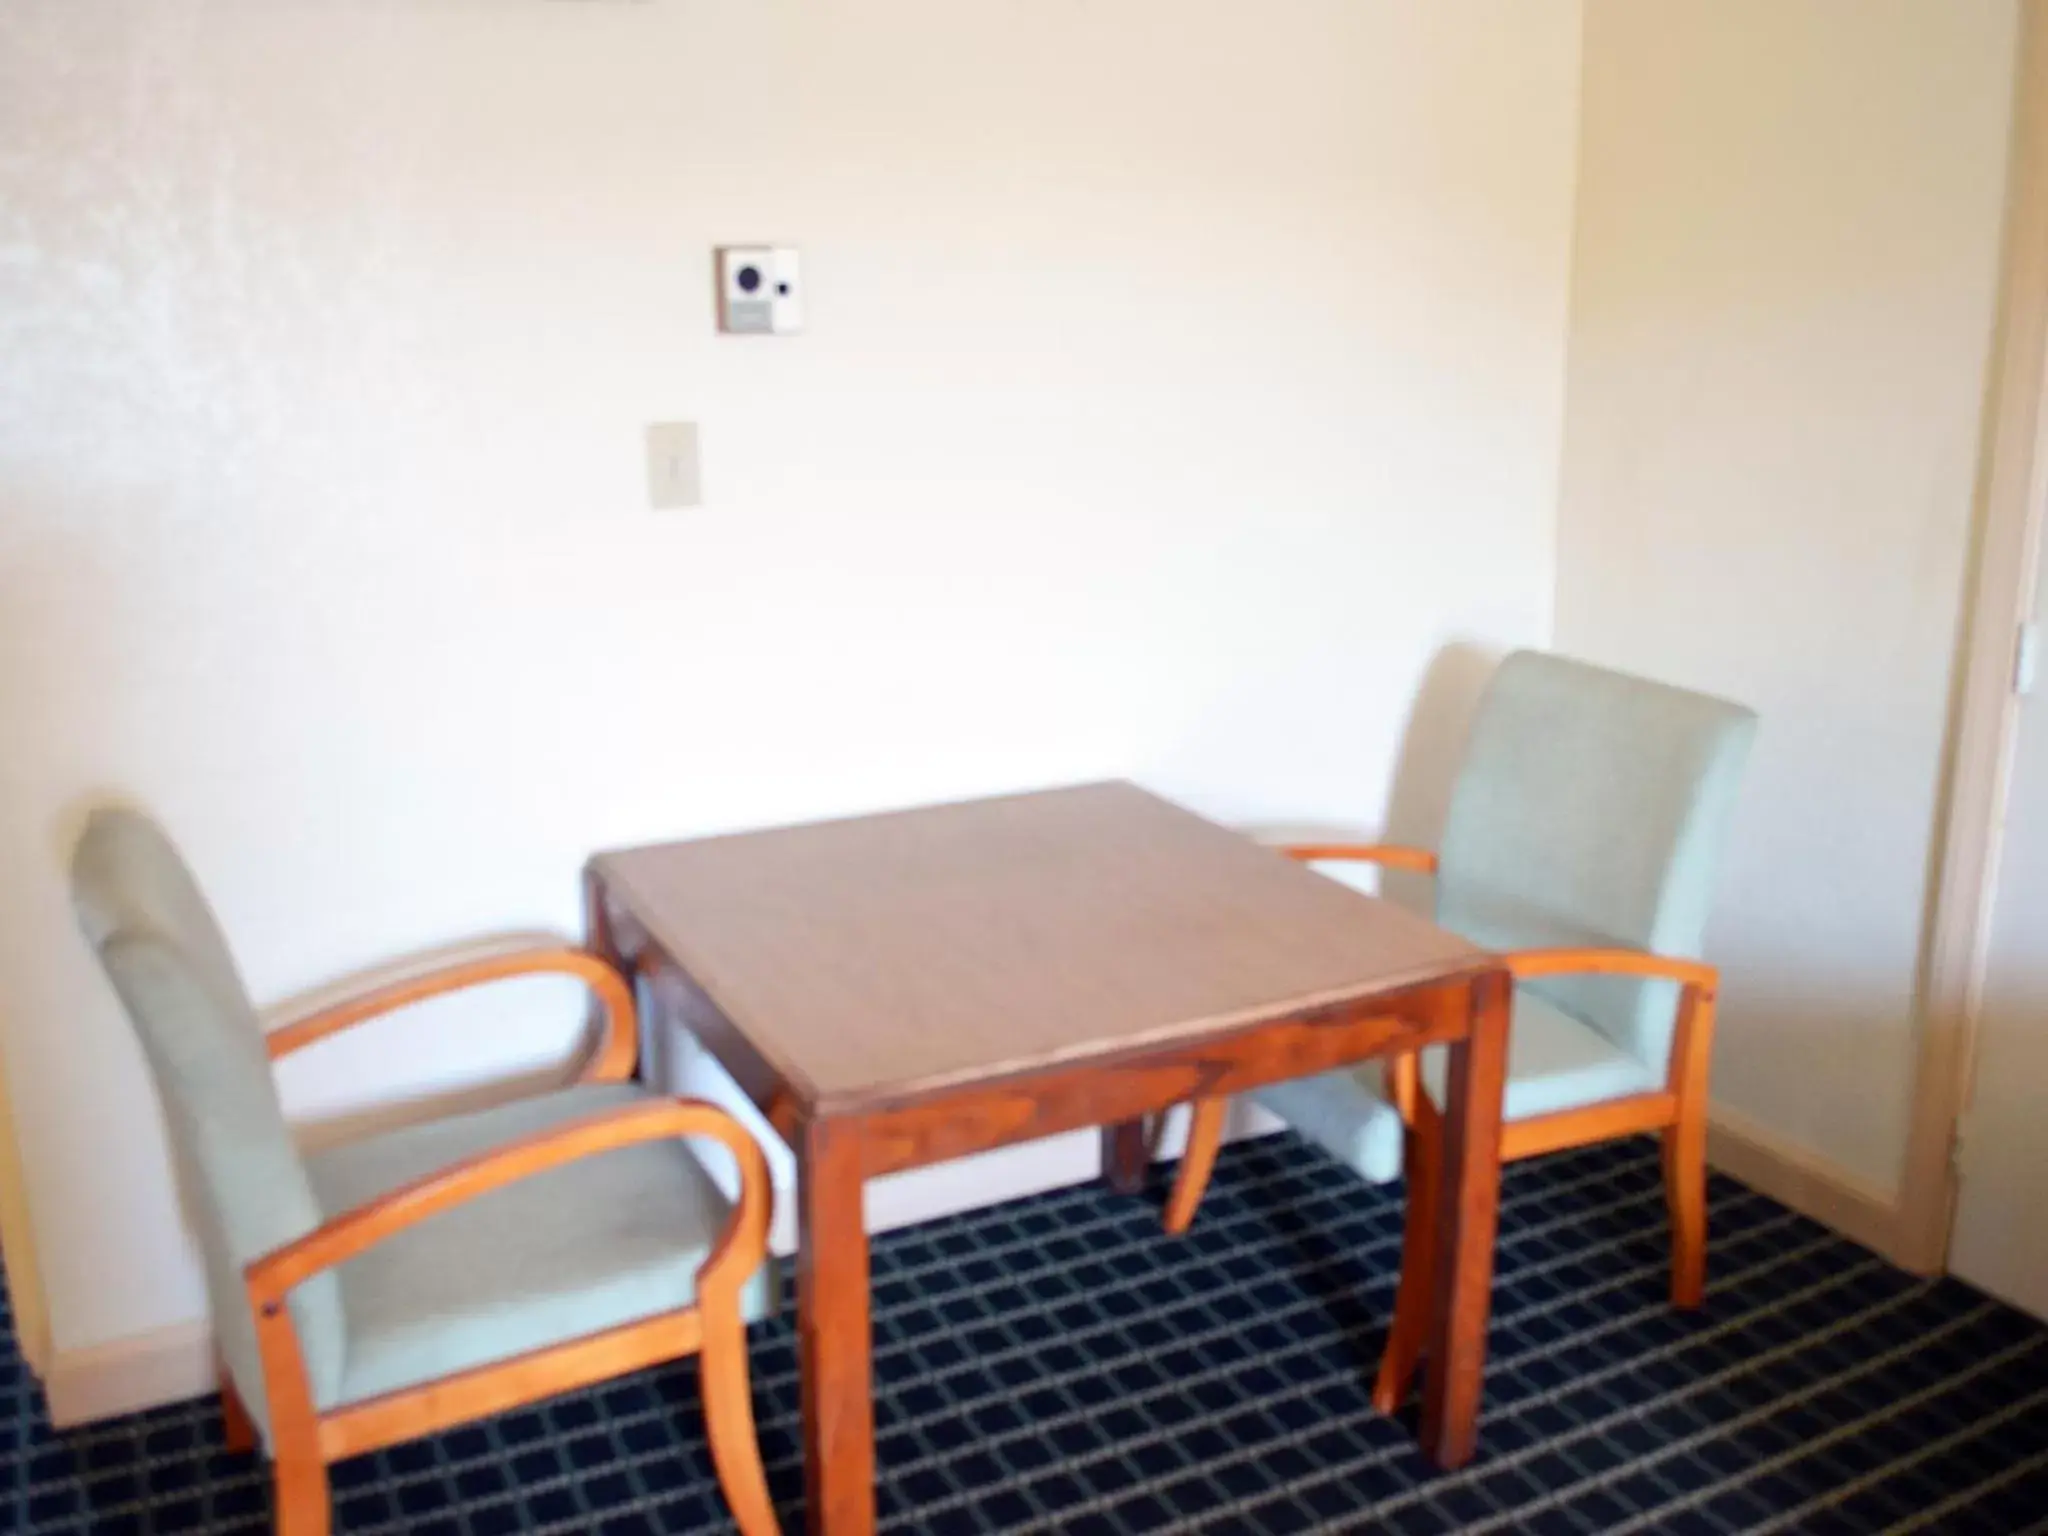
[758,292]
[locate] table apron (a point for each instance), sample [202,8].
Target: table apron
[983,1116]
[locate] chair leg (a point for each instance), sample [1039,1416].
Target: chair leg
[1205,1135]
[1685,1191]
[729,1423]
[237,1429]
[1422,1158]
[299,1477]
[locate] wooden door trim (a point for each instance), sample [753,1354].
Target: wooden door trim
[2012,487]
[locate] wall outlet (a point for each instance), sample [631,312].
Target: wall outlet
[759,290]
[674,474]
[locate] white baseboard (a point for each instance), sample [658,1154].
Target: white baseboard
[1809,1183]
[147,1370]
[176,1363]
[170,1365]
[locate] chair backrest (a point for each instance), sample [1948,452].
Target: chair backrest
[244,1184]
[1591,809]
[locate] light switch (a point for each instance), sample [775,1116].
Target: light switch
[673,471]
[759,290]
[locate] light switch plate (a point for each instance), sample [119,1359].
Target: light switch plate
[674,473]
[760,291]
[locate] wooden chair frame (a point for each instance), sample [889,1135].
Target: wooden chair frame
[1678,1112]
[304,1440]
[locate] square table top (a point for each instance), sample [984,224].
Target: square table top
[894,955]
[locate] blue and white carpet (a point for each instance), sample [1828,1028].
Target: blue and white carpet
[1058,1365]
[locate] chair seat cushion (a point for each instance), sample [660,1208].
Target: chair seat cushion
[1555,1062]
[596,1243]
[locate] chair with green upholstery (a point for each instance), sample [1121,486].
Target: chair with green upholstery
[1580,843]
[392,1286]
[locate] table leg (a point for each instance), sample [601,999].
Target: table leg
[599,939]
[833,1332]
[1125,1150]
[1469,1213]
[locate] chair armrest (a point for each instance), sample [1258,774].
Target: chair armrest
[1418,861]
[736,1255]
[612,1060]
[1531,964]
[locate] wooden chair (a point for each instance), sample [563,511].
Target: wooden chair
[410,1281]
[1580,843]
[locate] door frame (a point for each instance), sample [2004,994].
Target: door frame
[2012,494]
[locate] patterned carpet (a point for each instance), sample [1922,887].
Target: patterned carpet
[1056,1364]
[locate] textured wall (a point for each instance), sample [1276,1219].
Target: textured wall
[1179,377]
[1782,303]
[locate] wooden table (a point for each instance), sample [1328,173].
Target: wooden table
[896,990]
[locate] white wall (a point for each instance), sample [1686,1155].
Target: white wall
[1786,252]
[1180,376]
